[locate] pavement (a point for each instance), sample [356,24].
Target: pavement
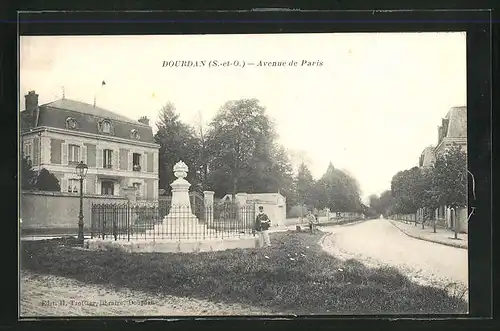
[378,243]
[442,236]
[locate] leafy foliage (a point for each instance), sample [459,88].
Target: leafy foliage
[42,181]
[449,180]
[338,191]
[27,175]
[443,183]
[47,181]
[177,142]
[237,152]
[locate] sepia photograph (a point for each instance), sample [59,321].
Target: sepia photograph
[243,174]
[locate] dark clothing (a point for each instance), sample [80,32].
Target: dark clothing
[262,222]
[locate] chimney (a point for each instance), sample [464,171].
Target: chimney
[32,106]
[143,120]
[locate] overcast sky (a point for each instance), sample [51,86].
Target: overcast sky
[370,109]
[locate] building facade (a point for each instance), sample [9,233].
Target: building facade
[427,157]
[453,129]
[120,152]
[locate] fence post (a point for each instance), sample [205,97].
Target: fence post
[102,209]
[127,216]
[92,219]
[208,197]
[114,211]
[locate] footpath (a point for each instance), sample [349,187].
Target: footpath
[442,236]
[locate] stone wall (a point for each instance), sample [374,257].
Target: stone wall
[57,212]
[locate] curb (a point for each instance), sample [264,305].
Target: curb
[322,240]
[428,240]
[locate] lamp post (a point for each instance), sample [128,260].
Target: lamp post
[81,171]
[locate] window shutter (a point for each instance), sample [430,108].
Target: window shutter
[84,154]
[97,187]
[144,165]
[116,160]
[64,156]
[130,159]
[98,158]
[155,162]
[116,189]
[145,161]
[64,185]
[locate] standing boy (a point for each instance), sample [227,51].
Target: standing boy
[262,225]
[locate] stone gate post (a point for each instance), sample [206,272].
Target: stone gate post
[208,197]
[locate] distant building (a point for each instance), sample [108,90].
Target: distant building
[274,205]
[119,151]
[453,129]
[427,157]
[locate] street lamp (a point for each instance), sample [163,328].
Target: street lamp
[81,171]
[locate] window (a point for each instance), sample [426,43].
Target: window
[106,127]
[136,162]
[73,185]
[135,134]
[71,123]
[137,187]
[27,151]
[107,188]
[107,158]
[74,154]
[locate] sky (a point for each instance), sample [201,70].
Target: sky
[371,108]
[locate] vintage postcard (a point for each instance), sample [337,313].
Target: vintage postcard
[252,174]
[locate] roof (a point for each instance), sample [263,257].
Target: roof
[56,113]
[457,125]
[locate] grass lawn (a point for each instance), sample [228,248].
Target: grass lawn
[294,276]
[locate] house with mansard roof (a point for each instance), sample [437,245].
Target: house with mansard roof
[120,152]
[453,130]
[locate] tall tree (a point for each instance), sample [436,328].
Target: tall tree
[240,139]
[404,187]
[338,190]
[304,185]
[177,142]
[449,179]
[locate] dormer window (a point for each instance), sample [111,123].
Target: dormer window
[71,123]
[106,127]
[134,133]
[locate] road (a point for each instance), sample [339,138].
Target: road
[378,242]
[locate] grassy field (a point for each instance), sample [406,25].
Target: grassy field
[294,276]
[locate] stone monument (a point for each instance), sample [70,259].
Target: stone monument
[180,221]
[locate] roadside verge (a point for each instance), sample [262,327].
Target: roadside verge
[427,237]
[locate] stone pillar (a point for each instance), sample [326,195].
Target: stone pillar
[241,207]
[129,193]
[208,197]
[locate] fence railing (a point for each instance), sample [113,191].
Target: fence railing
[133,222]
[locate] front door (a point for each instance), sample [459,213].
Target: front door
[107,188]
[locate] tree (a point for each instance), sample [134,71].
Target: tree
[240,140]
[203,152]
[177,142]
[404,187]
[338,190]
[47,181]
[304,184]
[449,180]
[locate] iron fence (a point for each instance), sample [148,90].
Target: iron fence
[134,222]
